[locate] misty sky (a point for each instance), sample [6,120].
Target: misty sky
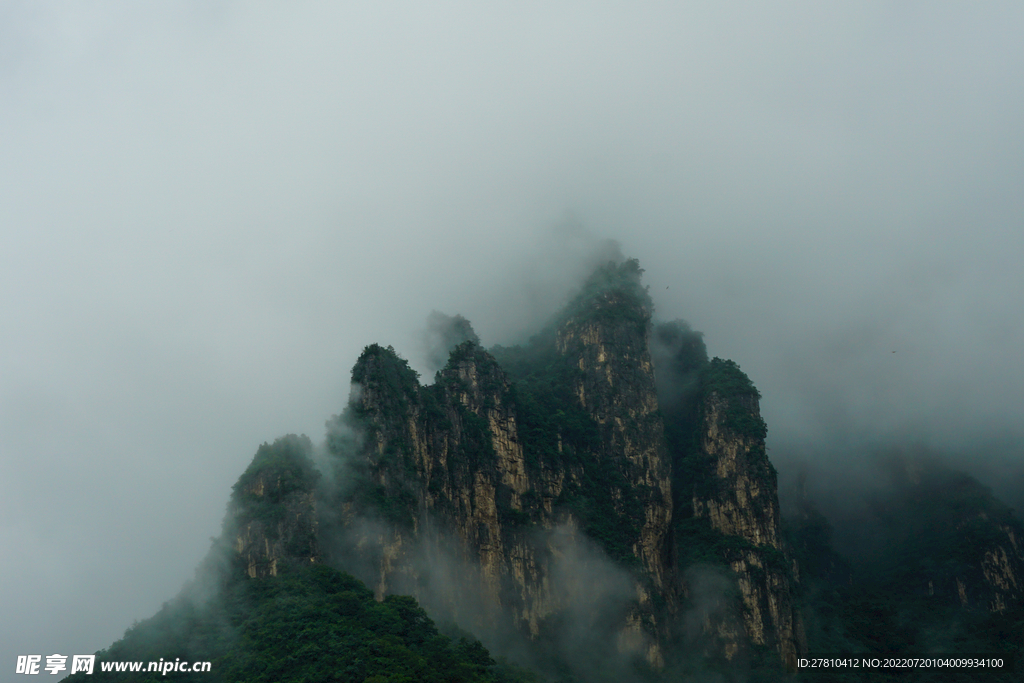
[207,209]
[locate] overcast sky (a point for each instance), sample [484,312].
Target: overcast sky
[207,209]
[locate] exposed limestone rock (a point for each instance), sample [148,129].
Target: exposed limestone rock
[738,495]
[1001,568]
[616,387]
[485,501]
[274,511]
[995,582]
[747,506]
[448,460]
[452,458]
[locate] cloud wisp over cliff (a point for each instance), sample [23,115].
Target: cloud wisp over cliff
[207,211]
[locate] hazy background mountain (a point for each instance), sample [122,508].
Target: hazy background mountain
[208,209]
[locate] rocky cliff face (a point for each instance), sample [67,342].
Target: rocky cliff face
[608,343]
[547,485]
[727,508]
[1001,568]
[955,536]
[452,484]
[272,518]
[739,498]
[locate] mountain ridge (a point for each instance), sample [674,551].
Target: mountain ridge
[596,504]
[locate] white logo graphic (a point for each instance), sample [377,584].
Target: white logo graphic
[28,664]
[82,663]
[55,663]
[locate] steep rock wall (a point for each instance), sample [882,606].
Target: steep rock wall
[742,499]
[452,487]
[272,517]
[609,344]
[477,492]
[449,476]
[739,498]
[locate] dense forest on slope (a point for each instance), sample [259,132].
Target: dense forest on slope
[306,624]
